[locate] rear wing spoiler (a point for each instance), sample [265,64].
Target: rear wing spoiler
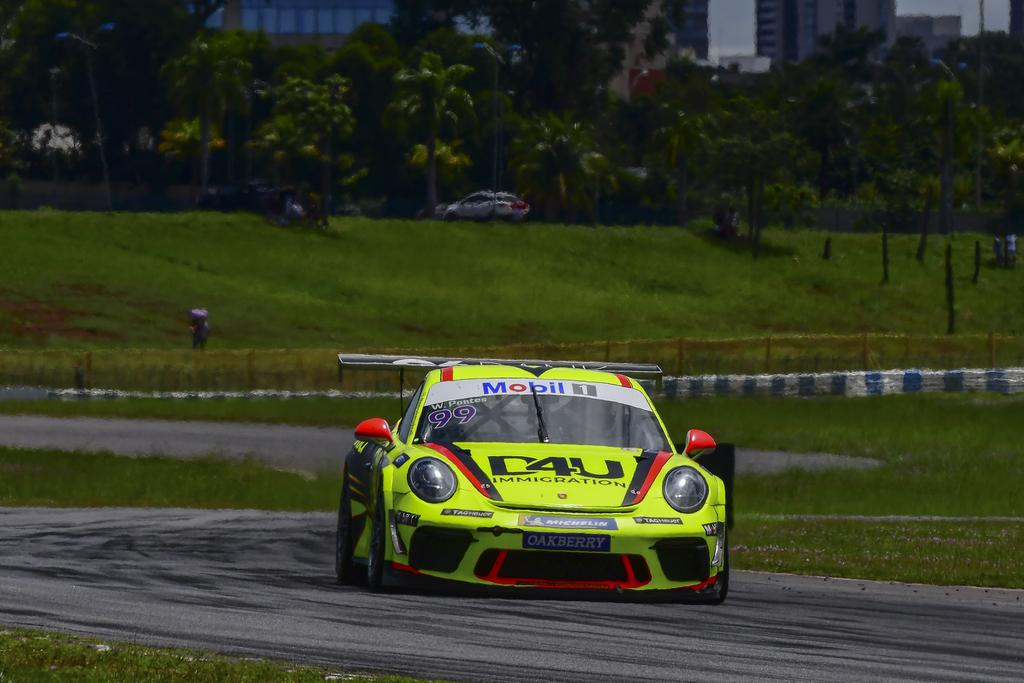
[361,361]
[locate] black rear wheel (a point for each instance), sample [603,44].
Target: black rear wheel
[344,543]
[375,562]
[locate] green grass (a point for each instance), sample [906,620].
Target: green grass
[29,655]
[90,280]
[60,479]
[942,454]
[322,412]
[977,553]
[890,428]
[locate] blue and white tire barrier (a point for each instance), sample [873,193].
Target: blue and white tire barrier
[40,393]
[880,383]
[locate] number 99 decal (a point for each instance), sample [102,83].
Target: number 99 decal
[440,418]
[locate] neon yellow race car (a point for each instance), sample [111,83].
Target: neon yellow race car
[526,477]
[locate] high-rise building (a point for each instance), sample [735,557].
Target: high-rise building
[290,22]
[1016,17]
[789,30]
[640,74]
[934,32]
[778,30]
[692,33]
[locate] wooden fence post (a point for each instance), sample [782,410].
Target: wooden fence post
[950,291]
[885,255]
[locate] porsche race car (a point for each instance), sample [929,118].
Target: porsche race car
[530,476]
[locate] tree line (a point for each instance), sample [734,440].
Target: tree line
[429,107]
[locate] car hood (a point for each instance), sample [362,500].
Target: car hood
[556,476]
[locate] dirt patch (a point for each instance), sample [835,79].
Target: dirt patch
[522,332]
[38,320]
[417,329]
[750,461]
[91,289]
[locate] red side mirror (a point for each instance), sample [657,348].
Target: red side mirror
[375,429]
[698,443]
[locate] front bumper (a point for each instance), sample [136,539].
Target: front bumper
[640,554]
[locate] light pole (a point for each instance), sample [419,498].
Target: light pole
[54,73]
[642,74]
[499,61]
[981,103]
[328,195]
[90,46]
[946,176]
[257,88]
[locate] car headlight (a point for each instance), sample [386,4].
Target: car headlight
[685,489]
[432,480]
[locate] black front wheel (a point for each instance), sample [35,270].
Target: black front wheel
[722,584]
[343,545]
[375,562]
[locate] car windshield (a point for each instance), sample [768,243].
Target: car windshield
[504,411]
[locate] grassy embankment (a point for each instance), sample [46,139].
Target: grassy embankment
[28,655]
[942,455]
[96,281]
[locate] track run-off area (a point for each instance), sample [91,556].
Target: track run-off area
[261,584]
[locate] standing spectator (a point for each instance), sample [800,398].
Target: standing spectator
[997,247]
[733,227]
[200,328]
[1011,251]
[719,220]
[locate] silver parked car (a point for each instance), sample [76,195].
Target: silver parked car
[483,206]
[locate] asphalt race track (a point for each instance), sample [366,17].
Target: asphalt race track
[283,446]
[253,583]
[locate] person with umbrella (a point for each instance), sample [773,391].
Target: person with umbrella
[200,328]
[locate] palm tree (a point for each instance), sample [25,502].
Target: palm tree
[557,165]
[451,161]
[755,150]
[9,157]
[282,140]
[182,139]
[943,104]
[322,116]
[825,112]
[677,143]
[204,80]
[430,97]
[1008,155]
